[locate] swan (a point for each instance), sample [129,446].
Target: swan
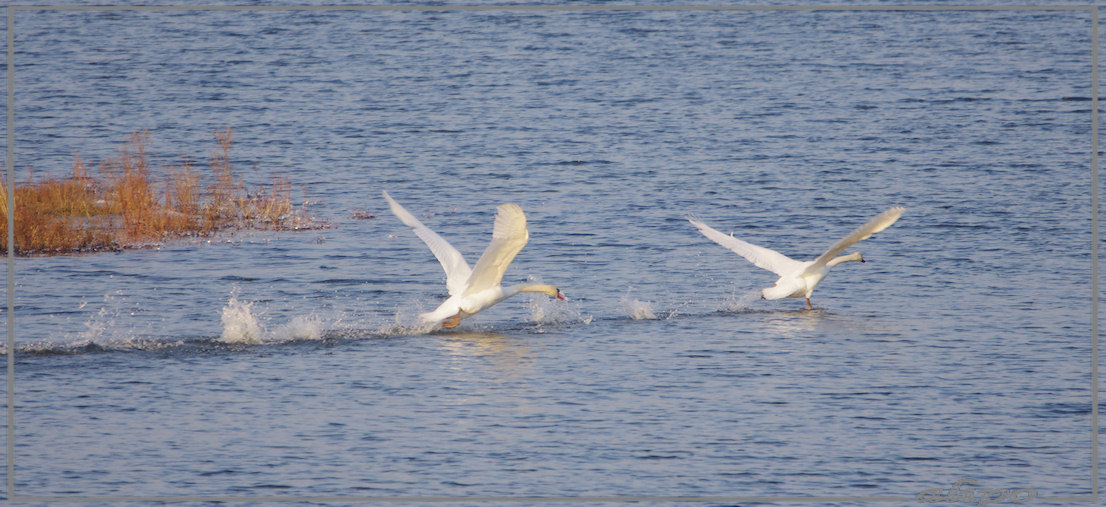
[798,279]
[472,290]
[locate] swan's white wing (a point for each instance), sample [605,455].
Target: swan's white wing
[764,258]
[876,224]
[457,271]
[508,237]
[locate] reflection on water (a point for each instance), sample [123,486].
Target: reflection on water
[511,356]
[820,322]
[795,323]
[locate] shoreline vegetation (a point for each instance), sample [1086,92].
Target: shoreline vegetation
[123,205]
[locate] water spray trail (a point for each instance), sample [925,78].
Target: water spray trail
[739,303]
[544,310]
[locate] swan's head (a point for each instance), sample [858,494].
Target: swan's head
[552,291]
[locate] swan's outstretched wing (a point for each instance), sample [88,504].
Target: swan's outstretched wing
[457,271]
[764,258]
[508,237]
[876,224]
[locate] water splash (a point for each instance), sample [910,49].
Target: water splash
[740,303]
[301,327]
[405,320]
[637,309]
[406,323]
[546,310]
[104,327]
[676,312]
[240,325]
[98,324]
[646,310]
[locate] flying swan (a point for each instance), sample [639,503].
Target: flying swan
[472,290]
[798,279]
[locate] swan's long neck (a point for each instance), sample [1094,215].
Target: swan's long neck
[855,256]
[548,290]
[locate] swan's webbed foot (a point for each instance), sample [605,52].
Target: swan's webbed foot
[453,321]
[808,305]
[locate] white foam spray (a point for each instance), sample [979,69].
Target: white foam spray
[636,308]
[119,322]
[406,323]
[239,323]
[740,303]
[301,327]
[546,310]
[675,312]
[98,324]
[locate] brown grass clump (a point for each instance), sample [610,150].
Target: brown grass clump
[125,206]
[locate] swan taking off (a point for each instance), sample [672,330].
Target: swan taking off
[472,290]
[798,279]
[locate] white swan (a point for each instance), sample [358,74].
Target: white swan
[798,279]
[472,290]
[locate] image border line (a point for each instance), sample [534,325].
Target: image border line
[1094,253]
[10,164]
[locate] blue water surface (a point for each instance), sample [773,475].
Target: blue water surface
[291,363]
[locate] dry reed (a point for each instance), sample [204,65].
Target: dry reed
[122,206]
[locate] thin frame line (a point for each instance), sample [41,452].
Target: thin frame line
[456,499]
[1094,251]
[563,8]
[10,162]
[517,7]
[503,499]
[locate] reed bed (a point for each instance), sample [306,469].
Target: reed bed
[124,205]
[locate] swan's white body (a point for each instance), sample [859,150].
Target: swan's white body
[472,290]
[797,278]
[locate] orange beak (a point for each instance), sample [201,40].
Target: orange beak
[559,296]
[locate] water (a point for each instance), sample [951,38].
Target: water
[291,363]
